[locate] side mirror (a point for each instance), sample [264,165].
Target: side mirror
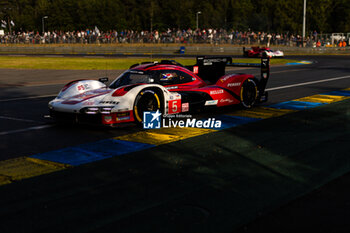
[103,80]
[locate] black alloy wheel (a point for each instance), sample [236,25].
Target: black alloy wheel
[146,101]
[249,93]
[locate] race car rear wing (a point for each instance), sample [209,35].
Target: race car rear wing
[211,68]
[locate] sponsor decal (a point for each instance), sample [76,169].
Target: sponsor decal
[226,100]
[195,69]
[122,114]
[83,87]
[210,102]
[233,84]
[152,120]
[209,61]
[185,107]
[109,102]
[123,118]
[107,119]
[216,92]
[224,79]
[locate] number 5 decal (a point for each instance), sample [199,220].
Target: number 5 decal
[174,106]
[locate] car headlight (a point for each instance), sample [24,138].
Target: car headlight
[106,110]
[96,110]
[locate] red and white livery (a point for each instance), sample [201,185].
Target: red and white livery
[166,86]
[259,51]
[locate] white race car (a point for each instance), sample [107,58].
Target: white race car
[259,51]
[91,101]
[166,87]
[271,53]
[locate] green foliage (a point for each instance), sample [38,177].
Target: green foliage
[268,15]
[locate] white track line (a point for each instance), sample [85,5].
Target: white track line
[307,83]
[17,119]
[29,97]
[25,130]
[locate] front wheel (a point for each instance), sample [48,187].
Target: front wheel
[146,101]
[249,93]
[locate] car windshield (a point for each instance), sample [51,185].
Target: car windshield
[131,77]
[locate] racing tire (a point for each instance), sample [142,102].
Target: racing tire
[249,93]
[146,100]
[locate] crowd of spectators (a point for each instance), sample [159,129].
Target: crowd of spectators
[209,36]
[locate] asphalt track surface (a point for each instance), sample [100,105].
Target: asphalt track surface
[144,192]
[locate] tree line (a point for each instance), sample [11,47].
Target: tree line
[269,15]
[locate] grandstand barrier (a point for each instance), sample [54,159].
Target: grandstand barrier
[166,50]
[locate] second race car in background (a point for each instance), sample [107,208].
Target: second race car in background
[166,86]
[259,51]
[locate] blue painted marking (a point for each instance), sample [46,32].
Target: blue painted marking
[295,105]
[87,153]
[232,121]
[339,93]
[294,63]
[299,63]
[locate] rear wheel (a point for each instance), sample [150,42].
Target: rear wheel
[146,101]
[249,93]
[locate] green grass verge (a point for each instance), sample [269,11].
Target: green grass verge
[86,63]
